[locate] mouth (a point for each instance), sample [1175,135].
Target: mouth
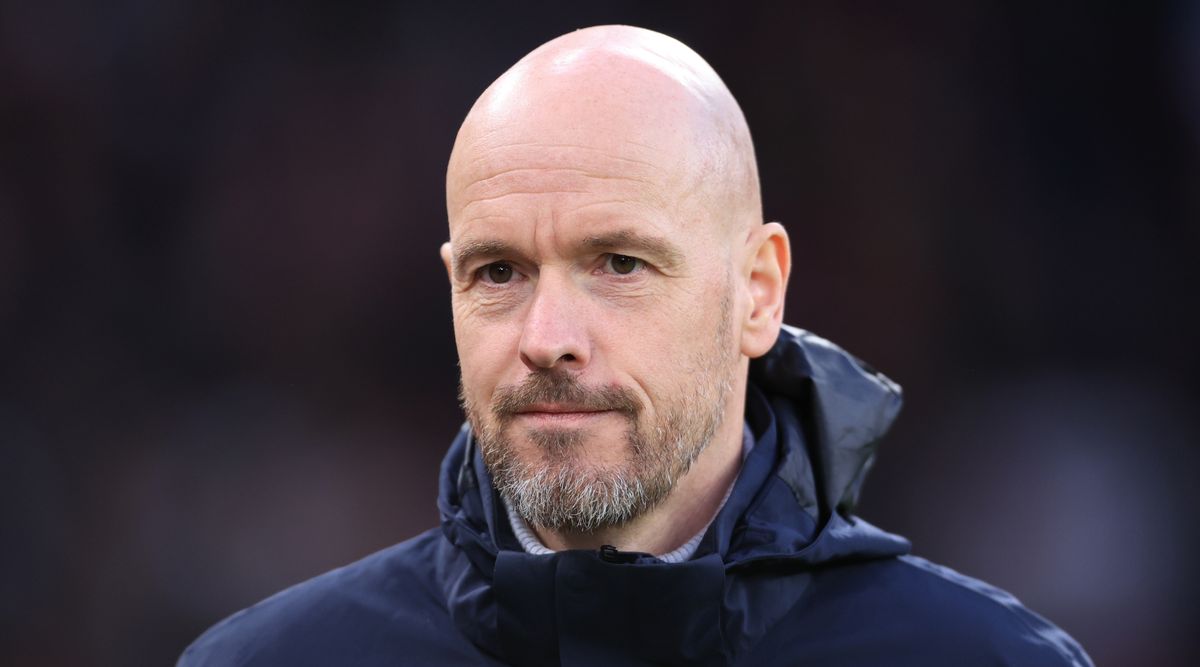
[559,413]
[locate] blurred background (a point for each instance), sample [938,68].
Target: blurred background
[228,363]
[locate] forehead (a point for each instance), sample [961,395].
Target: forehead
[507,174]
[536,128]
[537,200]
[585,145]
[535,191]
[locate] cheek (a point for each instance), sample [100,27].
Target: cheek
[486,351]
[658,346]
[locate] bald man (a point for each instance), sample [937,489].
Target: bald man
[654,469]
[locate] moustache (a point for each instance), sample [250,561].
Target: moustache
[557,387]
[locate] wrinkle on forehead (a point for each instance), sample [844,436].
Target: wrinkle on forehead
[545,149]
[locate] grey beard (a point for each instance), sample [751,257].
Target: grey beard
[559,495]
[555,488]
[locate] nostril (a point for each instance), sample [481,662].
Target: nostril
[567,357]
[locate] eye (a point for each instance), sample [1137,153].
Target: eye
[624,264]
[497,272]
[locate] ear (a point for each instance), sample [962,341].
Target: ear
[446,257]
[769,259]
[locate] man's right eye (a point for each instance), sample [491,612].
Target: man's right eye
[497,272]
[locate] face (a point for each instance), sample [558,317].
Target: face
[593,298]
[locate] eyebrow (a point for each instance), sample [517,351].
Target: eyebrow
[659,250]
[470,251]
[662,251]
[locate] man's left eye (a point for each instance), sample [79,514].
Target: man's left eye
[624,264]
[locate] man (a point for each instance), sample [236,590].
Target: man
[630,487]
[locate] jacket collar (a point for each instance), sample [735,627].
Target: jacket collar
[820,411]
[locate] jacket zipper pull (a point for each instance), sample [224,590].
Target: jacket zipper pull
[610,554]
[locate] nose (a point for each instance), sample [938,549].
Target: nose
[555,334]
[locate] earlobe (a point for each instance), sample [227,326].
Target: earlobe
[770,262]
[446,259]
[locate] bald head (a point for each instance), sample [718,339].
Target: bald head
[641,102]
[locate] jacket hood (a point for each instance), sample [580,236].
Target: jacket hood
[849,407]
[817,415]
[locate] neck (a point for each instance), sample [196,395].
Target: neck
[691,506]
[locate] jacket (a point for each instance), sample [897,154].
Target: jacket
[785,574]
